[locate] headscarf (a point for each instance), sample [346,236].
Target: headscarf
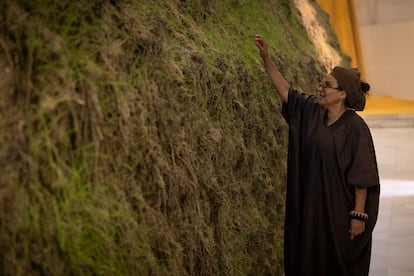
[349,80]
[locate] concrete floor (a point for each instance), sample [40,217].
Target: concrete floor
[393,237]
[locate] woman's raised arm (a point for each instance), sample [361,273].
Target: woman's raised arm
[278,81]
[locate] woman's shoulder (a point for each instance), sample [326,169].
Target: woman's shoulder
[300,106]
[357,122]
[297,96]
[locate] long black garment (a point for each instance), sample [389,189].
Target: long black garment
[325,164]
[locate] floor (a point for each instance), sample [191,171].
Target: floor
[393,237]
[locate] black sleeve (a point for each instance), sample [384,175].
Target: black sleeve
[293,108]
[363,172]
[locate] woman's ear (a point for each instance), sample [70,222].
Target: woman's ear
[343,95]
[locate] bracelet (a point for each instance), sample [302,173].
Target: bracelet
[359,216]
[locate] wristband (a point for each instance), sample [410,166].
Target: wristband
[359,216]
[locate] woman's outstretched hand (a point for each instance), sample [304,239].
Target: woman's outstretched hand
[261,45]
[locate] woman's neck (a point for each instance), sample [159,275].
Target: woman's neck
[334,113]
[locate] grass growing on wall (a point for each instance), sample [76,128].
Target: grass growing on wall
[144,137]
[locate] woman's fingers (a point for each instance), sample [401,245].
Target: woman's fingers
[258,38]
[259,41]
[357,228]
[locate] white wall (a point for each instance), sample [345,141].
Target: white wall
[387,40]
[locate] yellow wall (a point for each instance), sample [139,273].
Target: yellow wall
[344,21]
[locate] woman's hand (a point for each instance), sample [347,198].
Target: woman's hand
[261,45]
[356,227]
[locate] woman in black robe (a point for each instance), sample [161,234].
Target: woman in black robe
[332,184]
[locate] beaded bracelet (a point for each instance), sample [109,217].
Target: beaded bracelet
[359,216]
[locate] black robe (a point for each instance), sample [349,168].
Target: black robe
[325,164]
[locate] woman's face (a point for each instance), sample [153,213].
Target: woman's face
[330,94]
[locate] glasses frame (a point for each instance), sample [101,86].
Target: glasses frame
[323,85]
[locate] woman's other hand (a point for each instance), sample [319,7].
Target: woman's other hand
[357,227]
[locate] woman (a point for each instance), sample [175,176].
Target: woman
[332,184]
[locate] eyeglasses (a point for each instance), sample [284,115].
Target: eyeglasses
[325,85]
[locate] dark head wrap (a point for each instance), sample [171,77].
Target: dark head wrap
[349,80]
